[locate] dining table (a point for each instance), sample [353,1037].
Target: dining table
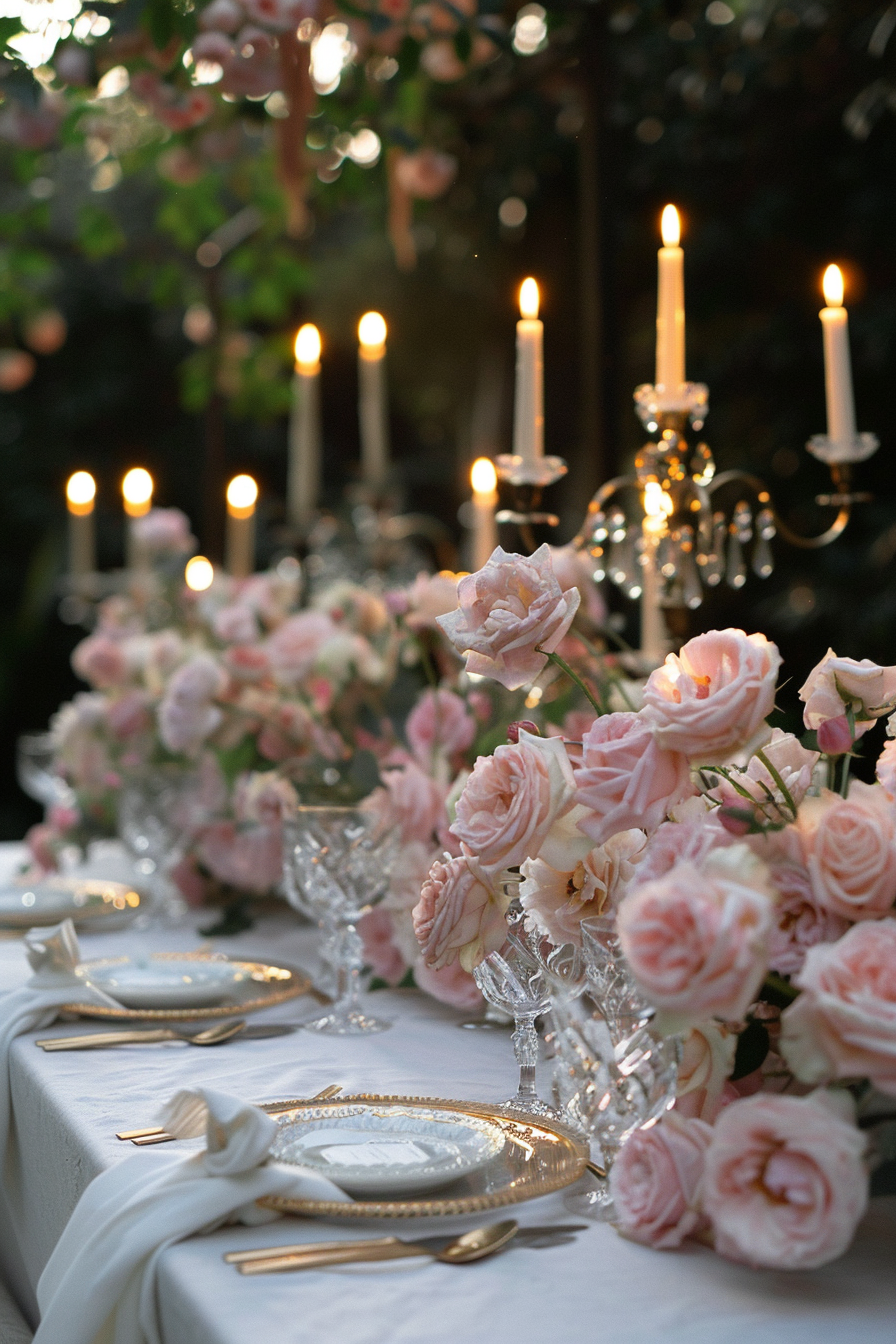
[68,1106]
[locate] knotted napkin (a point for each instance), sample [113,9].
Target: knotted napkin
[99,1283]
[53,954]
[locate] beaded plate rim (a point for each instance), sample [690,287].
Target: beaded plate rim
[531,1129]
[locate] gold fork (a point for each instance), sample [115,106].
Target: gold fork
[141,1138]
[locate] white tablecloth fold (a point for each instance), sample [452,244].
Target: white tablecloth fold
[53,954]
[99,1284]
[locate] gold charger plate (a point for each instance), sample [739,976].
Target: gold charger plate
[539,1157]
[276,984]
[40,904]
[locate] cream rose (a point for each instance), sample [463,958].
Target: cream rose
[837,684]
[784,1183]
[506,612]
[843,1025]
[714,695]
[850,848]
[626,779]
[557,901]
[512,799]
[696,940]
[707,1058]
[655,1181]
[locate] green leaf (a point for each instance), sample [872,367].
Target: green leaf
[809,740]
[160,22]
[752,1048]
[408,57]
[236,760]
[463,44]
[99,233]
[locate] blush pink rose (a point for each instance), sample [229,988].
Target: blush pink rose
[800,921]
[187,715]
[439,723]
[101,661]
[714,695]
[754,795]
[626,779]
[557,901]
[784,1184]
[697,940]
[506,612]
[460,915]
[690,839]
[836,684]
[512,799]
[430,596]
[850,847]
[164,532]
[380,952]
[412,801]
[843,1025]
[451,984]
[236,624]
[885,769]
[294,647]
[655,1181]
[834,736]
[249,858]
[128,715]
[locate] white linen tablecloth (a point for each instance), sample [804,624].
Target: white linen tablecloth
[67,1108]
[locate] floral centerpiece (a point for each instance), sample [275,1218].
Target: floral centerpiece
[753,882]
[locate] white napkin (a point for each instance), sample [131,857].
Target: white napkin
[53,954]
[99,1284]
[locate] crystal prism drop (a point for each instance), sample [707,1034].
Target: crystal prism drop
[702,467]
[714,559]
[765,524]
[599,561]
[736,570]
[667,557]
[691,590]
[763,563]
[622,563]
[598,528]
[742,522]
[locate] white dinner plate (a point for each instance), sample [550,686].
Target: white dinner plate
[86,900]
[170,982]
[369,1151]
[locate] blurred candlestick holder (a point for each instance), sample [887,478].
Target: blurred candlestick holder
[528,480]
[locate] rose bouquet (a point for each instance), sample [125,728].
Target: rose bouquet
[752,881]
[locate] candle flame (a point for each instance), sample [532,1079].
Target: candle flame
[529,298]
[242,492]
[372,330]
[137,488]
[670,226]
[80,490]
[199,574]
[308,345]
[483,477]
[832,287]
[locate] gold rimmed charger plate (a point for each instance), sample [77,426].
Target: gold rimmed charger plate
[539,1157]
[275,984]
[82,899]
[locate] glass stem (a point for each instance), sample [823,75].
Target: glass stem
[351,954]
[525,1047]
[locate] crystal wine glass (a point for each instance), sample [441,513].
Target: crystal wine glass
[515,980]
[156,812]
[340,860]
[35,770]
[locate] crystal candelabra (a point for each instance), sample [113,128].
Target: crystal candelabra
[529,480]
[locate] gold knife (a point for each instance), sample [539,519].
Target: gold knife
[142,1138]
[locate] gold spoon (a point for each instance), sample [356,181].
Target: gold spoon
[463,1250]
[215,1035]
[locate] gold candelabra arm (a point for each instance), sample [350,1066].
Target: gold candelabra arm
[841,499]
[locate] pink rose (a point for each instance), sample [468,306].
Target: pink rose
[263,796]
[688,840]
[697,940]
[439,723]
[753,796]
[128,715]
[707,1058]
[507,611]
[512,799]
[249,858]
[460,914]
[164,532]
[784,1183]
[655,1181]
[222,15]
[843,1025]
[296,644]
[556,901]
[236,624]
[575,569]
[247,662]
[836,684]
[626,779]
[850,847]
[186,715]
[100,661]
[714,695]
[835,737]
[575,725]
[885,770]
[451,984]
[430,596]
[380,952]
[412,801]
[801,921]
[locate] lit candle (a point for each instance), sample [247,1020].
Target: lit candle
[528,412]
[303,486]
[670,306]
[657,506]
[80,497]
[136,489]
[372,399]
[484,480]
[837,368]
[242,493]
[199,574]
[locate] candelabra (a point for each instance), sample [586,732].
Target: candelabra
[529,479]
